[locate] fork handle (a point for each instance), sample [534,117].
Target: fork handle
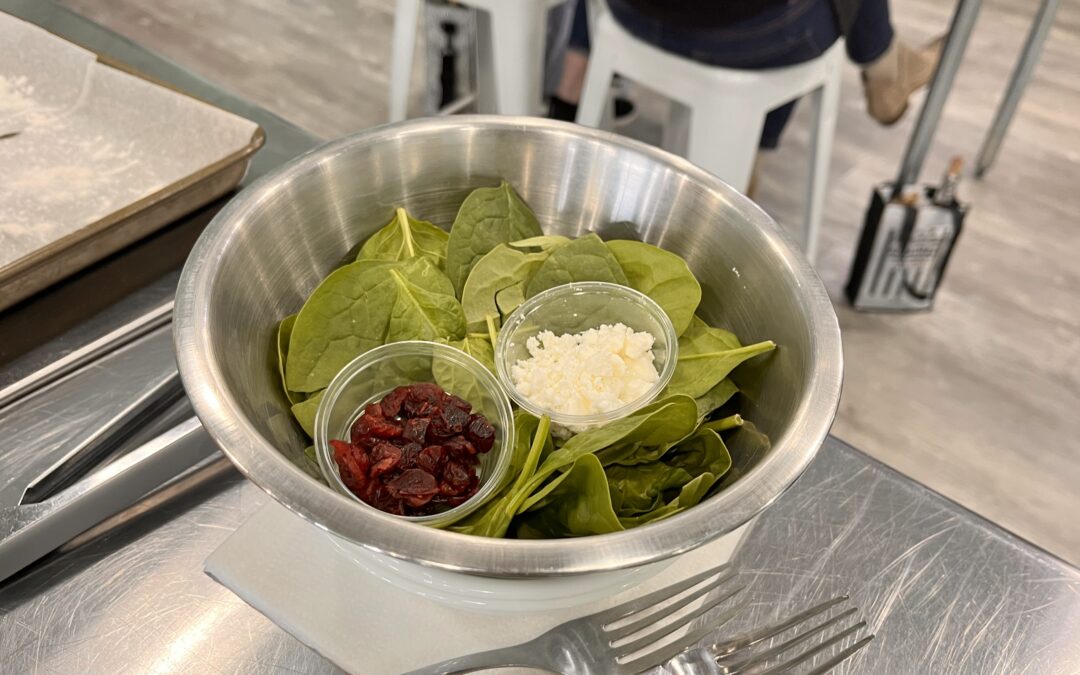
[526,655]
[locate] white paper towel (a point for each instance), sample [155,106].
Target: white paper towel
[290,571]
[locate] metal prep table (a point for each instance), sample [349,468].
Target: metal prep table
[944,590]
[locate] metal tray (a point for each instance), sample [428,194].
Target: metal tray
[36,265]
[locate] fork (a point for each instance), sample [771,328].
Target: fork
[615,640]
[736,656]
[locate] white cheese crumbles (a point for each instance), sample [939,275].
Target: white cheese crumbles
[596,371]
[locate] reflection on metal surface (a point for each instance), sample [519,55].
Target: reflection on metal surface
[68,364]
[943,590]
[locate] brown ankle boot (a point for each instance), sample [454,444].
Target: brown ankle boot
[887,87]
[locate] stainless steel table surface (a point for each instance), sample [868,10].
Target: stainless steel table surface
[944,590]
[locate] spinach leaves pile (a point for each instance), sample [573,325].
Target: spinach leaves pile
[413,281]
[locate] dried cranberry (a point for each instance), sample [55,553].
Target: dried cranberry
[480,433]
[416,429]
[461,448]
[449,421]
[391,404]
[458,403]
[410,452]
[415,486]
[431,458]
[456,477]
[415,451]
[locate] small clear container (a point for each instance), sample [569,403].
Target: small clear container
[376,373]
[574,308]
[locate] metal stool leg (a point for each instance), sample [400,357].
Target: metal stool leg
[1015,91]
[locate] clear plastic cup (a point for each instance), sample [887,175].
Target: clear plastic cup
[376,373]
[574,308]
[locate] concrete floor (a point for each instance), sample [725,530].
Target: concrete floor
[980,398]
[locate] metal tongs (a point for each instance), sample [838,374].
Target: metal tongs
[140,446]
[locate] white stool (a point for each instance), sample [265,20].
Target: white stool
[510,41]
[726,107]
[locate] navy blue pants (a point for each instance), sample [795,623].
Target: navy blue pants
[794,32]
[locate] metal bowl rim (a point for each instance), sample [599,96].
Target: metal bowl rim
[262,463]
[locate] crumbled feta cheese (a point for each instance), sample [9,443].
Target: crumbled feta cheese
[593,372]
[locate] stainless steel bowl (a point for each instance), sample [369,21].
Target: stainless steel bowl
[268,248]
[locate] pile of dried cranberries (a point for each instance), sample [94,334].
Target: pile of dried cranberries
[415,452]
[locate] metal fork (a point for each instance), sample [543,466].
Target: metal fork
[737,656]
[627,638]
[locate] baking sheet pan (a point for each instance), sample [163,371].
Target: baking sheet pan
[94,156]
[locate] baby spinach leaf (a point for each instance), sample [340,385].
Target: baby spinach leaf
[426,308]
[661,422]
[304,412]
[641,488]
[720,394]
[363,305]
[509,299]
[689,495]
[706,356]
[406,237]
[457,380]
[488,217]
[577,505]
[284,332]
[543,242]
[583,259]
[502,267]
[493,518]
[703,452]
[661,275]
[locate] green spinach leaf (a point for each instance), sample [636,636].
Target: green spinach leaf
[640,488]
[577,505]
[488,217]
[492,519]
[720,394]
[284,332]
[689,495]
[544,242]
[457,380]
[304,412]
[364,305]
[501,268]
[406,237]
[661,275]
[583,259]
[706,356]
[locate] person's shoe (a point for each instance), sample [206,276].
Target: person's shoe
[890,80]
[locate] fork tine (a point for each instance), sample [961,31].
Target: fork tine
[788,666]
[637,624]
[842,656]
[764,656]
[637,604]
[751,638]
[667,629]
[667,652]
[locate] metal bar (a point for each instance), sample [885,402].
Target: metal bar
[1021,75]
[108,490]
[109,342]
[951,56]
[84,456]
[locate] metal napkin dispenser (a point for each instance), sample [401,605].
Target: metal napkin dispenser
[904,249]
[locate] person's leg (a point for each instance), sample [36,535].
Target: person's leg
[892,70]
[871,32]
[563,105]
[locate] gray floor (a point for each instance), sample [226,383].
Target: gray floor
[980,399]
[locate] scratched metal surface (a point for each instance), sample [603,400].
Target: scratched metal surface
[944,591]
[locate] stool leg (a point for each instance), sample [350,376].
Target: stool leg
[518,29]
[401,57]
[824,102]
[724,139]
[594,93]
